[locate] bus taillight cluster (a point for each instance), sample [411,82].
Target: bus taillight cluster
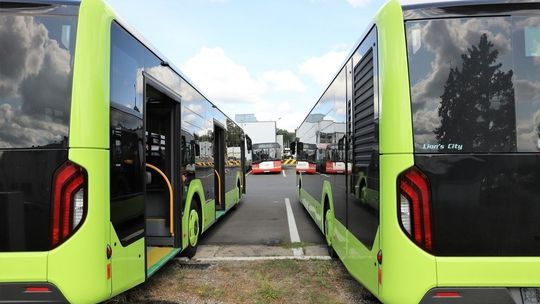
[68,201]
[414,205]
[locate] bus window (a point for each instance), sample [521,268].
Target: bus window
[36,73]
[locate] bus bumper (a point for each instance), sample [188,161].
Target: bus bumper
[269,170]
[473,296]
[30,293]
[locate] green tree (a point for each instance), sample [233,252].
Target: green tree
[288,137]
[478,107]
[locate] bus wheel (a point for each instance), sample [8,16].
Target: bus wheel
[194,231]
[328,233]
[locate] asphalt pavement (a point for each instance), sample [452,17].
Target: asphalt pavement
[261,217]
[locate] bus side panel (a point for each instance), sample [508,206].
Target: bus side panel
[89,123]
[23,267]
[79,266]
[408,272]
[339,239]
[395,121]
[311,205]
[362,262]
[208,213]
[127,263]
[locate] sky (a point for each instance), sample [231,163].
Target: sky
[270,58]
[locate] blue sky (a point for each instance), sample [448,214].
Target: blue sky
[270,58]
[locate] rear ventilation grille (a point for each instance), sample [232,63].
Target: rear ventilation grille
[363,111]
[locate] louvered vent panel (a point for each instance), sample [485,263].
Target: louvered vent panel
[363,121]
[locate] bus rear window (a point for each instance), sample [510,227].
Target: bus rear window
[475,84]
[36,65]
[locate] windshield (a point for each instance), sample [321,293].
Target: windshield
[308,153]
[36,66]
[335,155]
[475,84]
[265,152]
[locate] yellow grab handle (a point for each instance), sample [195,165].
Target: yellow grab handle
[170,195]
[219,186]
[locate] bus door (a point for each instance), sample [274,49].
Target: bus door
[219,167]
[163,185]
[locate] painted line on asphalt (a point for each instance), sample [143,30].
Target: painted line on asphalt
[284,175]
[293,230]
[263,258]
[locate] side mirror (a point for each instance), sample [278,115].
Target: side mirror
[248,143]
[292,146]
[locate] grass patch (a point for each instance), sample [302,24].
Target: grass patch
[264,282]
[209,292]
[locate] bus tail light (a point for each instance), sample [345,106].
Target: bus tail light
[68,201]
[415,207]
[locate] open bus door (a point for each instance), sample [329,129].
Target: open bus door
[163,186]
[219,167]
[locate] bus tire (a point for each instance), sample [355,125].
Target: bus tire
[327,232]
[194,230]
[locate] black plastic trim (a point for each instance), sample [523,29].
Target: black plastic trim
[495,295]
[16,293]
[467,8]
[52,7]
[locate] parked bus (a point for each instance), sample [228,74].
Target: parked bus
[306,158]
[266,158]
[111,162]
[441,202]
[334,159]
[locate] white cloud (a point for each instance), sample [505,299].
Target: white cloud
[359,3]
[222,78]
[324,67]
[284,80]
[235,90]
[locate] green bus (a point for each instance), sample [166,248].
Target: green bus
[440,200]
[111,161]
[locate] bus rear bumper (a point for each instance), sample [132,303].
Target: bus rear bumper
[269,170]
[30,293]
[495,295]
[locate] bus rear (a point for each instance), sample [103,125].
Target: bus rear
[472,199]
[266,158]
[42,194]
[52,240]
[306,159]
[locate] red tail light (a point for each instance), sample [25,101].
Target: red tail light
[37,289]
[415,206]
[68,201]
[277,163]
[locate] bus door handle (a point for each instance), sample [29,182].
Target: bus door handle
[169,186]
